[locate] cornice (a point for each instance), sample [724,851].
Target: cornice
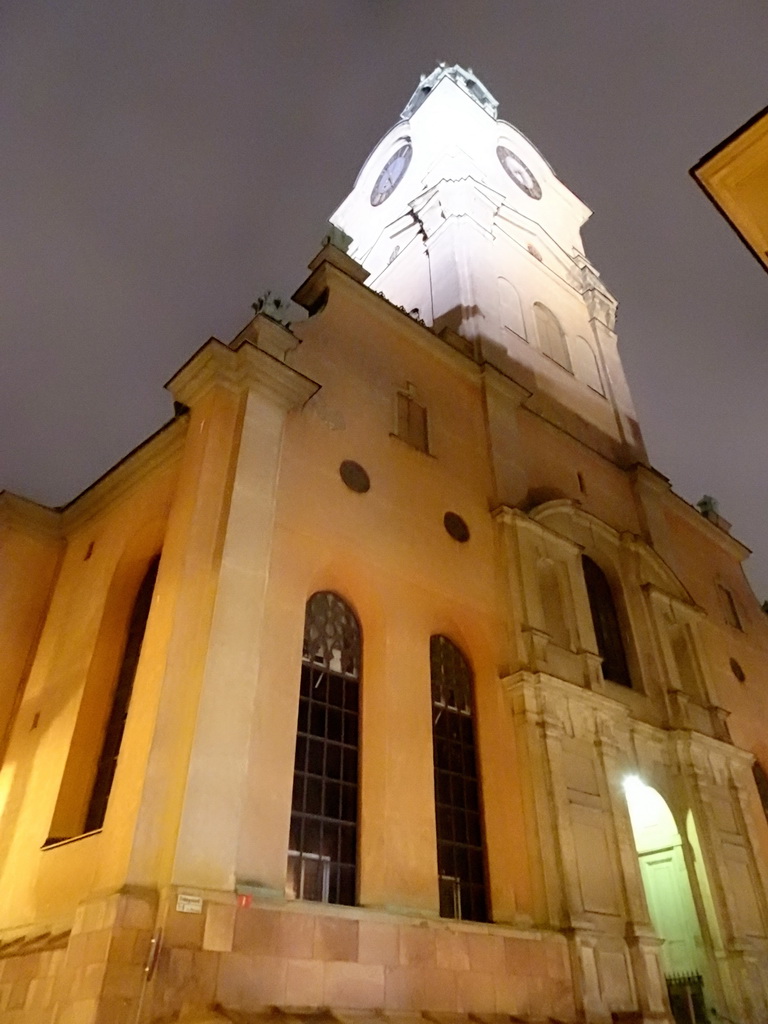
[446,200]
[158,449]
[649,477]
[509,516]
[331,254]
[571,509]
[659,484]
[245,368]
[678,743]
[601,304]
[606,447]
[685,604]
[543,685]
[26,516]
[561,266]
[269,335]
[328,277]
[687,741]
[513,391]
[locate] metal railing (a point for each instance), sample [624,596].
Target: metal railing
[686,998]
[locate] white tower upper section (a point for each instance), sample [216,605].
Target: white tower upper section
[449,132]
[459,219]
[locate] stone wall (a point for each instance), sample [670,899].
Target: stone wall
[306,955]
[301,956]
[91,973]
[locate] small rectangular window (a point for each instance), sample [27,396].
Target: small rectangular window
[729,607]
[412,421]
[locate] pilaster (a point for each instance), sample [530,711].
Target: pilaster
[642,943]
[503,398]
[601,306]
[397,839]
[708,768]
[206,847]
[512,594]
[548,897]
[218,543]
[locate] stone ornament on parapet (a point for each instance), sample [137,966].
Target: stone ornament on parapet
[245,368]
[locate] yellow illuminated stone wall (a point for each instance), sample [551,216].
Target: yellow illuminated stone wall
[176,908]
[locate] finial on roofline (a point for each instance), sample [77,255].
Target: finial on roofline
[463,77]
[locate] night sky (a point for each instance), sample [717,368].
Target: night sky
[164,162]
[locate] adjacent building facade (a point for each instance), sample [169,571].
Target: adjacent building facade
[735,177]
[389,679]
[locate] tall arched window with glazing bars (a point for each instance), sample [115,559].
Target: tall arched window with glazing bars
[460,842]
[322,855]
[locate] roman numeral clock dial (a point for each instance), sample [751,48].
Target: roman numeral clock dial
[519,172]
[391,174]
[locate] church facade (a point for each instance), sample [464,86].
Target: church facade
[389,679]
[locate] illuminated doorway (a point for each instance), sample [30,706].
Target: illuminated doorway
[670,898]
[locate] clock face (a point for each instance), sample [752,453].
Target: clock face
[391,174]
[518,172]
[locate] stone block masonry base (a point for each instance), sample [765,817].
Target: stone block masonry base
[284,962]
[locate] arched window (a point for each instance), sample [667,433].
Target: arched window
[460,845]
[551,338]
[118,712]
[322,855]
[605,619]
[585,364]
[761,781]
[89,772]
[511,308]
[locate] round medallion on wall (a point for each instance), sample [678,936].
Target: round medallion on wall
[391,174]
[456,527]
[354,476]
[522,175]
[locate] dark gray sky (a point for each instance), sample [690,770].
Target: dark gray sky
[163,162]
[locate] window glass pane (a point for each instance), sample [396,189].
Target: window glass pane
[333,727]
[346,887]
[315,748]
[449,897]
[403,402]
[610,643]
[417,426]
[761,781]
[729,606]
[336,691]
[332,760]
[313,800]
[113,734]
[412,422]
[316,718]
[323,841]
[460,846]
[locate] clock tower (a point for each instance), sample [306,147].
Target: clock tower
[385,681]
[461,221]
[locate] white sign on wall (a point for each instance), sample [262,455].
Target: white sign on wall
[186,903]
